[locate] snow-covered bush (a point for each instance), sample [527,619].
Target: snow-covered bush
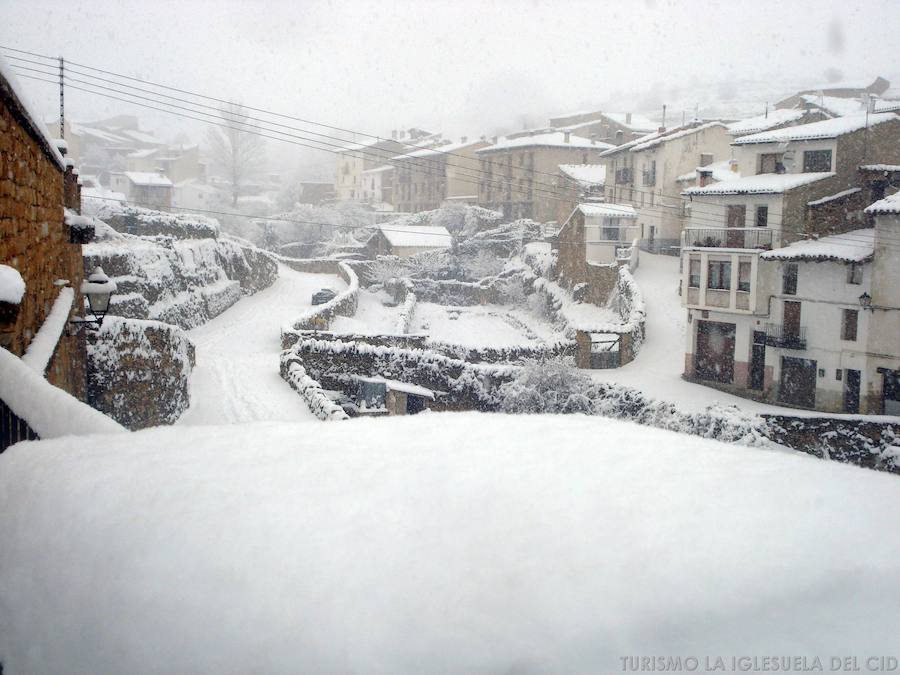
[548,386]
[483,264]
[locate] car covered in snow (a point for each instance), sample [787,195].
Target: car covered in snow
[323,295]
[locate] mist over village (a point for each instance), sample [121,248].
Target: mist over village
[506,337]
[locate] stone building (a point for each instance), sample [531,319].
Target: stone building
[37,184]
[608,127]
[519,173]
[426,178]
[777,266]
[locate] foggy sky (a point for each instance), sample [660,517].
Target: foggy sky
[460,67]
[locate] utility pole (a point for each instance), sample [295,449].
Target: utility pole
[62,101]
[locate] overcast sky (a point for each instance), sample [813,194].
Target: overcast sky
[465,66]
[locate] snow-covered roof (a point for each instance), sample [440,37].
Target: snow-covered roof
[437,150]
[379,169]
[890,204]
[766,183]
[396,385]
[554,139]
[417,236]
[614,210]
[880,167]
[680,133]
[17,91]
[141,154]
[834,197]
[588,174]
[637,123]
[773,118]
[630,144]
[720,171]
[816,130]
[855,246]
[835,105]
[148,178]
[12,286]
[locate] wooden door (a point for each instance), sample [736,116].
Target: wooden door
[798,382]
[851,391]
[714,359]
[791,322]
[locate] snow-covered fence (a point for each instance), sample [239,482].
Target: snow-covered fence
[49,411]
[319,404]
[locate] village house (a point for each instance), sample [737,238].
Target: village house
[195,194]
[517,174]
[314,191]
[149,189]
[608,127]
[770,312]
[408,240]
[428,177]
[351,160]
[849,90]
[378,185]
[41,269]
[592,243]
[647,171]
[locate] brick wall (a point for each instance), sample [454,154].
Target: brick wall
[35,240]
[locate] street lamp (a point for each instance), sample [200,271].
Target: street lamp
[99,289]
[865,301]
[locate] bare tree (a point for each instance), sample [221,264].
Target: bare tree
[235,150]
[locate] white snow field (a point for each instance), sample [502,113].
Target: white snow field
[372,316]
[440,543]
[236,378]
[495,326]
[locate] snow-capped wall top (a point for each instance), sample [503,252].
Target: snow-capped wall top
[852,247]
[764,183]
[425,236]
[720,171]
[11,87]
[819,130]
[586,174]
[552,139]
[773,118]
[12,286]
[889,204]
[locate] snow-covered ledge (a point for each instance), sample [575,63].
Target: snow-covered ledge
[48,410]
[39,352]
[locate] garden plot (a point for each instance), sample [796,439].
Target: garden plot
[376,314]
[496,326]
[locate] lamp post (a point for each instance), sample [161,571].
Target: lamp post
[865,301]
[98,288]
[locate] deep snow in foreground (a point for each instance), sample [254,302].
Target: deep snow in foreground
[237,378]
[442,543]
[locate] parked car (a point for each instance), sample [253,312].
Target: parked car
[323,295]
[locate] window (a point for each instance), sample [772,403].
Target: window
[848,324]
[719,277]
[771,163]
[744,277]
[854,274]
[789,279]
[816,160]
[706,158]
[762,216]
[694,273]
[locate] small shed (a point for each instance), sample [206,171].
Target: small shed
[397,398]
[407,240]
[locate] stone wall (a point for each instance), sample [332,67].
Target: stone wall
[34,239]
[148,222]
[320,316]
[138,371]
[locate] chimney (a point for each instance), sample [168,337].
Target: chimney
[463,139]
[627,118]
[566,136]
[662,127]
[705,176]
[733,165]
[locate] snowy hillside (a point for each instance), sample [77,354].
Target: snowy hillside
[451,543]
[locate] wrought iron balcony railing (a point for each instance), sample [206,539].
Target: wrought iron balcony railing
[727,237]
[778,335]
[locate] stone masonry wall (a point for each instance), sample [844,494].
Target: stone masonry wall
[34,239]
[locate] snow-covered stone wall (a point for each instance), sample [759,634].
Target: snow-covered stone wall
[138,371]
[344,304]
[184,282]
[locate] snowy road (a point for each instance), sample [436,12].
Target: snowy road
[236,378]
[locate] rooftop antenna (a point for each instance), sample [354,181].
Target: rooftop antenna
[767,110]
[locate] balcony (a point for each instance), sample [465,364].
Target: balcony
[759,238]
[792,338]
